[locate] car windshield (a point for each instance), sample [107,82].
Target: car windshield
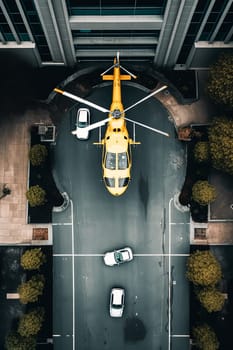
[110,160]
[118,257]
[122,182]
[122,161]
[110,182]
[82,124]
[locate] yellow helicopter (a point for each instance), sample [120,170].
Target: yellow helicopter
[117,155]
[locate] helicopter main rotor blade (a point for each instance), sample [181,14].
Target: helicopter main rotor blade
[94,125]
[148,127]
[82,100]
[145,98]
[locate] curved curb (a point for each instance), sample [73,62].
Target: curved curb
[64,205]
[177,204]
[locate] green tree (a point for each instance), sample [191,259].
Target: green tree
[205,338]
[38,154]
[15,342]
[30,291]
[203,268]
[36,196]
[32,259]
[211,299]
[221,144]
[201,151]
[203,193]
[31,323]
[220,84]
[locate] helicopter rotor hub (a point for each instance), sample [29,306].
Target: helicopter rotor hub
[116,114]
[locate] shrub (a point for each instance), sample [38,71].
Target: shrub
[201,152]
[15,342]
[36,196]
[221,144]
[38,154]
[205,338]
[203,268]
[211,299]
[30,291]
[32,259]
[221,80]
[30,323]
[203,193]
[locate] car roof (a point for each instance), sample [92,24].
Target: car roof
[83,114]
[117,295]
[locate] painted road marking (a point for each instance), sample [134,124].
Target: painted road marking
[93,255]
[73,282]
[169,255]
[180,335]
[62,224]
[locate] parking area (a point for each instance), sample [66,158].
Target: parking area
[82,285]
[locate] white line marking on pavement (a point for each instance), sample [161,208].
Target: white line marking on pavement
[180,223]
[142,255]
[62,224]
[73,283]
[78,255]
[169,274]
[56,335]
[161,254]
[180,335]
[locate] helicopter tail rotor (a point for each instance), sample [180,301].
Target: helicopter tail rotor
[117,64]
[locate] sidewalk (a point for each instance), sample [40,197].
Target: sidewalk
[14,148]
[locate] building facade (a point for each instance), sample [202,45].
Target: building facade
[179,34]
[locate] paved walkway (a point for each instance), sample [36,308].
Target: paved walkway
[14,148]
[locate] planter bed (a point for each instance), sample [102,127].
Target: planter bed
[42,176]
[12,274]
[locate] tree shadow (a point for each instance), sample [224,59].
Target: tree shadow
[134,330]
[144,192]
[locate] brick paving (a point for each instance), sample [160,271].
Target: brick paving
[14,148]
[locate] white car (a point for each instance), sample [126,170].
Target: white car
[118,257]
[117,302]
[82,121]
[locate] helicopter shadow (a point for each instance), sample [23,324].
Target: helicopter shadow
[144,192]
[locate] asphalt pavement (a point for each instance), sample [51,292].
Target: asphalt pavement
[144,218]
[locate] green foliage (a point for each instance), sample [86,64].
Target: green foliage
[211,299]
[32,259]
[201,152]
[38,154]
[15,342]
[30,323]
[205,338]
[221,144]
[30,291]
[35,196]
[220,85]
[203,193]
[203,268]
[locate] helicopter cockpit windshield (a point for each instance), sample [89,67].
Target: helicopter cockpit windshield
[110,161]
[122,161]
[115,161]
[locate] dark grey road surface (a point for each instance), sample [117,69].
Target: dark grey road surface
[142,219]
